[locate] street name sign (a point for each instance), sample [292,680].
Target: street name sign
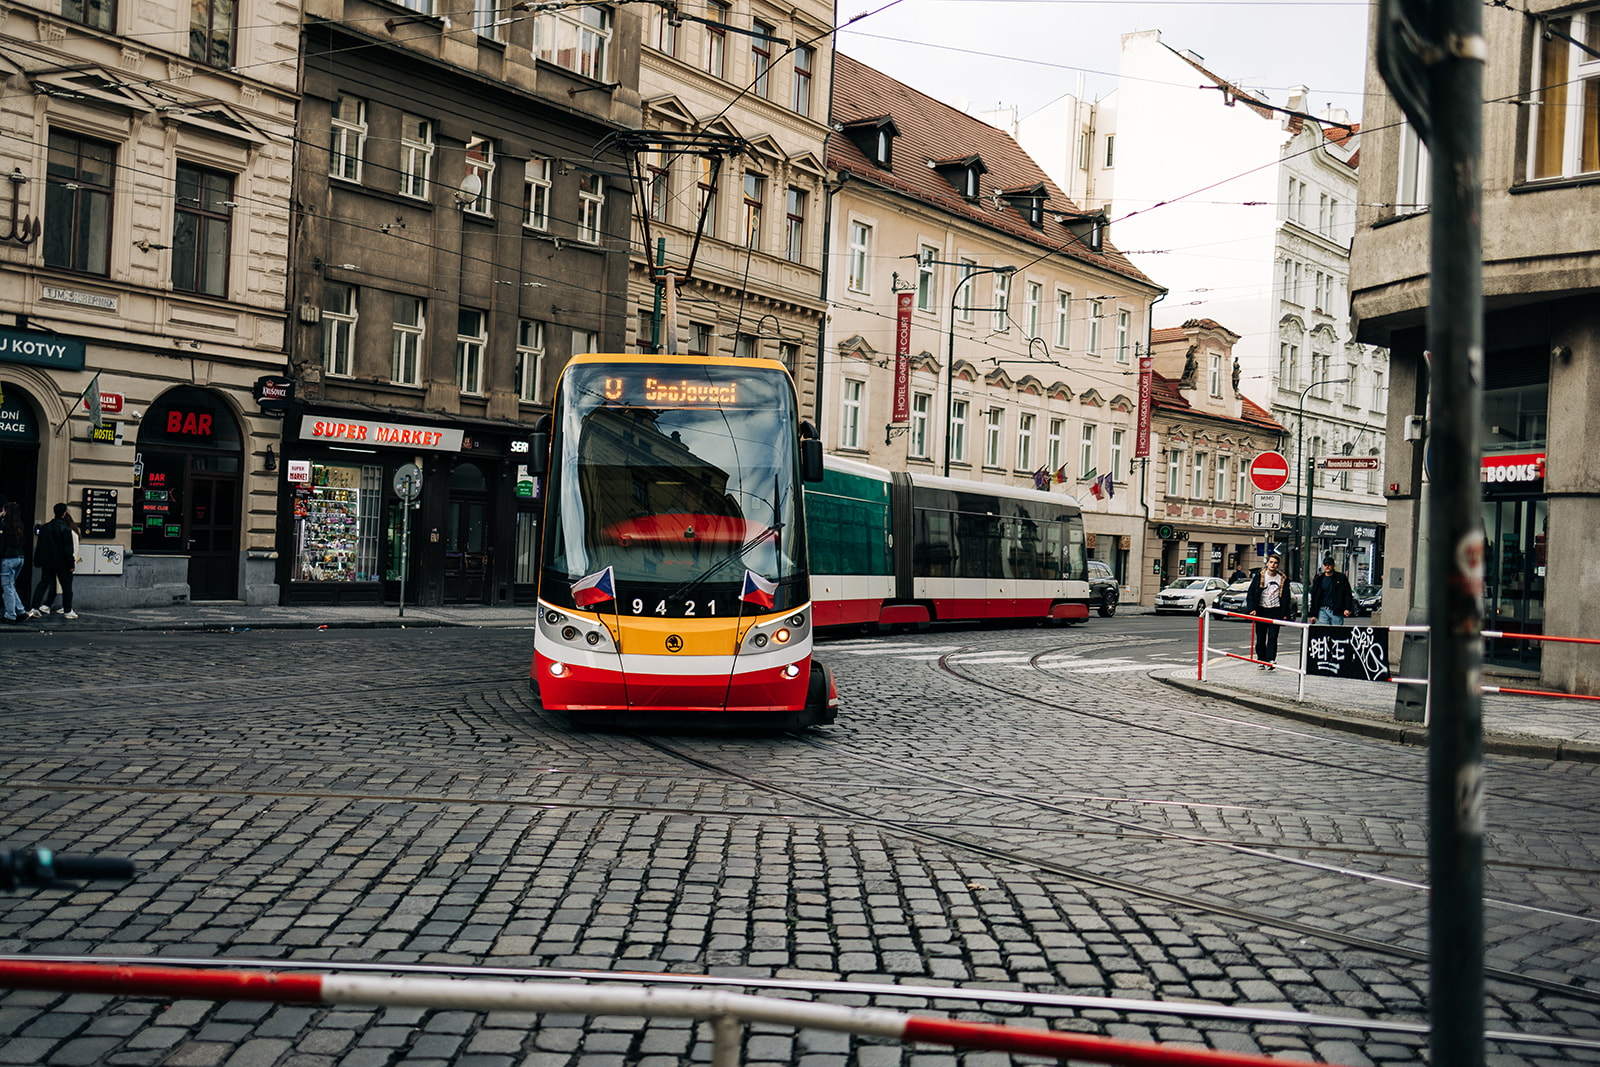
[1349,463]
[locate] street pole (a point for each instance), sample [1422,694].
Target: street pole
[1300,501]
[950,364]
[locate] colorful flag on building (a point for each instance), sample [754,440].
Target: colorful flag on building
[757,590]
[597,588]
[1097,489]
[1111,487]
[1061,474]
[1041,479]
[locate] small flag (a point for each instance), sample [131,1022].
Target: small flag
[1111,487]
[90,399]
[1097,489]
[1091,475]
[1061,474]
[757,590]
[597,588]
[1041,478]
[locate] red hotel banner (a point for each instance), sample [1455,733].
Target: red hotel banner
[1141,437]
[902,359]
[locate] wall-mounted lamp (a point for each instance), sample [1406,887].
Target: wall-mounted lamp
[272,459]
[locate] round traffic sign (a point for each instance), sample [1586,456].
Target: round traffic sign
[1269,472]
[408,482]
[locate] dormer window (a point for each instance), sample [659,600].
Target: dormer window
[881,155]
[971,183]
[875,138]
[964,174]
[1089,227]
[1028,201]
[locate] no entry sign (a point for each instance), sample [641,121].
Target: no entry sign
[1269,471]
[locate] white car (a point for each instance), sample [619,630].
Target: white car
[1190,596]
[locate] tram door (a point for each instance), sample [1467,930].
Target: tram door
[1514,572]
[467,554]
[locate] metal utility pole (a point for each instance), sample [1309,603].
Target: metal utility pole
[1431,55]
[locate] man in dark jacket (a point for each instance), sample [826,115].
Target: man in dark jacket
[1332,599]
[1268,598]
[55,555]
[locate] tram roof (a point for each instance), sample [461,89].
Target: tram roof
[961,485]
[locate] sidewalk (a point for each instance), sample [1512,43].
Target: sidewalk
[1535,727]
[234,616]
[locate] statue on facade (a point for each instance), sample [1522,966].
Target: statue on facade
[1191,368]
[1236,373]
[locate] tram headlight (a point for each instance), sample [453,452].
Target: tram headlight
[797,621]
[791,670]
[759,640]
[782,637]
[569,633]
[552,617]
[558,670]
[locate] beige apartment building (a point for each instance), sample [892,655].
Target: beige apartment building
[150,149]
[731,169]
[1025,323]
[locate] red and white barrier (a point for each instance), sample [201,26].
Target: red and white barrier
[725,1010]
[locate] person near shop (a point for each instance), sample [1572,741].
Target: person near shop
[13,554]
[1268,599]
[1332,599]
[56,556]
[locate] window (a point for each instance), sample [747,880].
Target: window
[211,31]
[993,431]
[966,270]
[708,194]
[1063,320]
[338,329]
[1288,279]
[1333,218]
[1032,308]
[1322,213]
[1216,373]
[794,234]
[1111,147]
[920,405]
[416,156]
[536,194]
[744,346]
[405,360]
[100,14]
[1566,135]
[1240,492]
[1197,488]
[850,417]
[925,277]
[883,156]
[480,162]
[1055,442]
[1085,148]
[486,19]
[1380,398]
[860,249]
[658,194]
[77,203]
[201,225]
[472,337]
[347,139]
[1087,464]
[804,62]
[755,191]
[1222,479]
[1174,472]
[666,33]
[1002,303]
[701,337]
[1094,327]
[761,57]
[1122,336]
[577,38]
[1025,425]
[584,342]
[1118,436]
[591,207]
[789,355]
[1415,193]
[530,360]
[716,38]
[958,431]
[1288,366]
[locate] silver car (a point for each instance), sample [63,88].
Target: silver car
[1189,596]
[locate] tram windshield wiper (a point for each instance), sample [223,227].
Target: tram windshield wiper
[700,579]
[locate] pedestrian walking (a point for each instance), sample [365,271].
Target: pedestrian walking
[1268,598]
[13,554]
[1332,599]
[56,556]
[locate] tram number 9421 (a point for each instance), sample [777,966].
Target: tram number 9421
[673,609]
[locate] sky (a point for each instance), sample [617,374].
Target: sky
[984,54]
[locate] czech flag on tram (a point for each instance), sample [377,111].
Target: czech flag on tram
[757,590]
[597,588]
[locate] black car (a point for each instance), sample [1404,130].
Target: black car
[1369,599]
[1104,591]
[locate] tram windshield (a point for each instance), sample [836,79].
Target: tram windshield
[680,478]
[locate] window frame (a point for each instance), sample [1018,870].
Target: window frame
[536,186]
[471,351]
[1175,467]
[762,34]
[483,165]
[994,429]
[804,72]
[414,178]
[1222,482]
[927,280]
[1055,443]
[965,271]
[794,243]
[1092,347]
[530,360]
[859,254]
[339,330]
[1025,424]
[1119,436]
[208,44]
[205,219]
[344,164]
[407,339]
[1002,302]
[591,208]
[1033,303]
[575,30]
[1087,442]
[755,195]
[716,56]
[921,408]
[82,195]
[958,431]
[1558,150]
[1124,329]
[104,10]
[851,402]
[1063,320]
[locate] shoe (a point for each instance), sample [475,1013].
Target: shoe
[1272,667]
[42,609]
[1261,666]
[34,614]
[70,615]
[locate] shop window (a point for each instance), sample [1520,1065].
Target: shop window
[100,14]
[201,230]
[336,524]
[77,213]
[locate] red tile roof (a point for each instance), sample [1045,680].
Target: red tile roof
[935,133]
[1164,395]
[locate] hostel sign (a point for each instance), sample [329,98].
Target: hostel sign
[41,349]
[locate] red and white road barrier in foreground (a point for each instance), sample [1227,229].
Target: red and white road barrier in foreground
[726,1011]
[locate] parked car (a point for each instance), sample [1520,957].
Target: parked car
[1191,596]
[1369,599]
[1234,598]
[1104,589]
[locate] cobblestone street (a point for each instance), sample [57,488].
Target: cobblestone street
[1000,821]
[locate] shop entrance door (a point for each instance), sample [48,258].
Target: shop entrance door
[213,542]
[467,553]
[1514,572]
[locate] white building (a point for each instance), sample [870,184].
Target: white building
[1245,210]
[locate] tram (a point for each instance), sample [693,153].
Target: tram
[673,580]
[895,549]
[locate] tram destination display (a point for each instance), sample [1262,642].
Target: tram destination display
[99,514]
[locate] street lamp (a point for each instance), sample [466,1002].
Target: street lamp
[1299,501]
[950,368]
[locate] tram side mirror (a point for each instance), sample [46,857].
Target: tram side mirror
[539,447]
[810,453]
